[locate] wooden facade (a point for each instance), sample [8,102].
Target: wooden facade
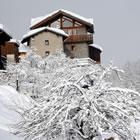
[10,51]
[94,54]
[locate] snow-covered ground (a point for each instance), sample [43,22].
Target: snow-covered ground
[10,99]
[5,135]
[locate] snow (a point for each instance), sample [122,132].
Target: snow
[35,21]
[111,106]
[91,20]
[10,100]
[96,46]
[1,26]
[136,127]
[14,41]
[23,48]
[106,136]
[4,29]
[5,135]
[35,31]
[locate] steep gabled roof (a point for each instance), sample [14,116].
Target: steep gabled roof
[41,21]
[38,30]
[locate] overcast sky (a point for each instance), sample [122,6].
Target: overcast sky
[117,22]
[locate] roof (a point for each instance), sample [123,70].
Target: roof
[96,46]
[48,17]
[14,41]
[38,30]
[23,48]
[5,30]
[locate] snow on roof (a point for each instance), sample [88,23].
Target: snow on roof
[4,29]
[23,48]
[97,47]
[14,41]
[90,20]
[35,21]
[1,26]
[35,31]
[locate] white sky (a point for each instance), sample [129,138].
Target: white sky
[117,22]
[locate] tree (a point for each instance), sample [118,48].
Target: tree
[132,75]
[77,103]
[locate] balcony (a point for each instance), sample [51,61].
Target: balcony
[79,38]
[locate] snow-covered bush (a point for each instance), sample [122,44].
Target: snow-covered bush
[26,76]
[75,102]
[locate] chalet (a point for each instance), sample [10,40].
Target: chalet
[10,50]
[80,32]
[46,40]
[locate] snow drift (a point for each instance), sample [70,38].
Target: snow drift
[11,102]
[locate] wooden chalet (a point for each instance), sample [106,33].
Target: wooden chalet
[80,32]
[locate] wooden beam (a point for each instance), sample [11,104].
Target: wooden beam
[73,21]
[61,22]
[75,27]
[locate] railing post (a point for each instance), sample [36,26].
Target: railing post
[17,85]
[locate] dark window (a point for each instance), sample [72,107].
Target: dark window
[46,42]
[47,53]
[72,47]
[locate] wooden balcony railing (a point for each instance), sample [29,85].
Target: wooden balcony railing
[79,38]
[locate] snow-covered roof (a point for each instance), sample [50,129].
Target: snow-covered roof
[4,29]
[14,41]
[35,31]
[37,20]
[1,26]
[23,48]
[97,47]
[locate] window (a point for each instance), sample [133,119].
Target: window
[47,53]
[72,47]
[32,38]
[46,42]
